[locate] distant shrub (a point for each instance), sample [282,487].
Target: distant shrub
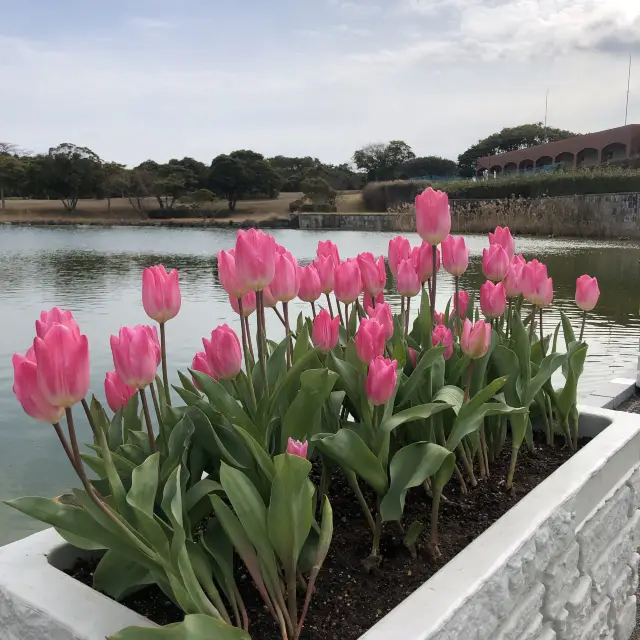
[295,205]
[318,190]
[318,208]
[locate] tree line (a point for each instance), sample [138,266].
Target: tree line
[69,172]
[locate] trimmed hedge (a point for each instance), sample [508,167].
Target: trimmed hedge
[381,196]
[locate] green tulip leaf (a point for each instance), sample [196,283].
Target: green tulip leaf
[194,627]
[118,577]
[417,377]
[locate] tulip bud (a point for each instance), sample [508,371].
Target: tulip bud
[512,280]
[438,318]
[442,335]
[382,314]
[55,316]
[62,357]
[200,363]
[495,263]
[255,259]
[373,272]
[310,288]
[327,249]
[325,331]
[297,448]
[475,339]
[136,355]
[462,302]
[227,274]
[407,281]
[381,380]
[433,219]
[369,340]
[587,292]
[161,297]
[286,280]
[347,282]
[493,299]
[503,237]
[116,391]
[248,304]
[399,250]
[27,391]
[455,255]
[413,357]
[536,286]
[422,258]
[223,353]
[325,266]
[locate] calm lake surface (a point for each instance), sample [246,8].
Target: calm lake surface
[97,274]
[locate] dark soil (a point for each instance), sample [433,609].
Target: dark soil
[348,599]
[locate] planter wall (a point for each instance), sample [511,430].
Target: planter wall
[562,564]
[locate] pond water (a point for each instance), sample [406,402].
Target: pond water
[96,272]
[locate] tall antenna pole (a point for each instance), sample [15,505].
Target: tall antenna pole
[626,111]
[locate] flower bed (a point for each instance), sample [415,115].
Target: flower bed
[411,426]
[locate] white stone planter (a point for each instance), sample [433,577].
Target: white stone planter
[562,564]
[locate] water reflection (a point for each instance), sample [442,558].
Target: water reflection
[97,273]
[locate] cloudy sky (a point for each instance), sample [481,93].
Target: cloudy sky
[138,79]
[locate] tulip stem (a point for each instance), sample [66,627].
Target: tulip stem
[329,303]
[435,508]
[262,340]
[66,447]
[584,320]
[406,318]
[249,338]
[165,375]
[509,317]
[279,316]
[147,418]
[285,310]
[402,313]
[90,419]
[467,465]
[313,309]
[346,320]
[457,306]
[353,483]
[434,250]
[542,336]
[533,322]
[156,408]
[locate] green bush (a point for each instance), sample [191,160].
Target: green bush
[381,196]
[317,208]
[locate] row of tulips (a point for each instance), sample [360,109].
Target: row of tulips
[183,495]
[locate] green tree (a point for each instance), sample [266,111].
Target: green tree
[509,139]
[114,183]
[12,170]
[427,166]
[381,161]
[319,191]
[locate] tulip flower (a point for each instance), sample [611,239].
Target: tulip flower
[255,259]
[223,353]
[369,340]
[502,236]
[200,363]
[325,331]
[422,257]
[310,288]
[373,272]
[587,292]
[512,279]
[62,357]
[116,391]
[475,339]
[399,250]
[455,255]
[55,316]
[382,313]
[493,299]
[325,267]
[269,301]
[135,355]
[286,280]
[368,300]
[27,391]
[407,281]
[347,283]
[248,304]
[461,301]
[433,219]
[161,297]
[534,283]
[413,357]
[227,274]
[297,448]
[442,335]
[327,249]
[495,263]
[438,318]
[381,380]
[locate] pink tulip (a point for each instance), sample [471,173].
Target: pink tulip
[382,314]
[325,266]
[495,263]
[587,292]
[297,448]
[327,249]
[63,365]
[227,274]
[267,297]
[367,300]
[493,299]
[373,272]
[325,331]
[201,363]
[455,255]
[438,318]
[512,280]
[282,250]
[442,335]
[462,302]
[381,380]
[310,287]
[286,280]
[248,304]
[422,257]
[369,339]
[413,357]
[407,281]
[117,392]
[161,297]
[26,389]
[536,286]
[255,259]
[55,316]
[399,250]
[223,352]
[476,338]
[152,334]
[347,284]
[136,355]
[433,220]
[502,236]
